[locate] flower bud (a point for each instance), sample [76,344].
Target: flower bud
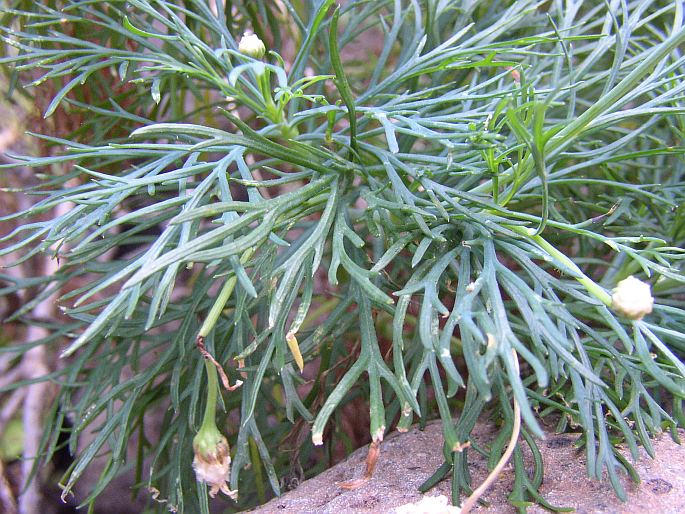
[632,298]
[251,45]
[212,462]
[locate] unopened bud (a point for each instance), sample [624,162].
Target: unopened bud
[212,461]
[632,298]
[251,45]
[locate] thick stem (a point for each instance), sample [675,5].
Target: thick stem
[218,307]
[209,418]
[222,298]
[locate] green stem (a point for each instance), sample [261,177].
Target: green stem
[274,113]
[264,81]
[590,285]
[222,299]
[209,418]
[218,307]
[567,135]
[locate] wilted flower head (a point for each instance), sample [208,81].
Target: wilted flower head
[251,45]
[632,298]
[212,462]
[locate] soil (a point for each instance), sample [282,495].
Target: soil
[408,459]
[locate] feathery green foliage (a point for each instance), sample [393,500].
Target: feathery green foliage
[479,185]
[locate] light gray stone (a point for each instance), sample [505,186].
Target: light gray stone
[407,460]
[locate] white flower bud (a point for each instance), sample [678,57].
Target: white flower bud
[212,461]
[251,45]
[632,298]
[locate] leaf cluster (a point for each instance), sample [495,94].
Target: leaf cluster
[426,222]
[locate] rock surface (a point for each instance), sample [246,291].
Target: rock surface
[407,460]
